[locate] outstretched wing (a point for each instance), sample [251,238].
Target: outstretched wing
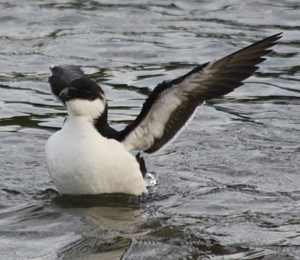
[172,103]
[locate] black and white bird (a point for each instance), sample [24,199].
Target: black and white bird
[87,156]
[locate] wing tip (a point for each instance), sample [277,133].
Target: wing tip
[274,39]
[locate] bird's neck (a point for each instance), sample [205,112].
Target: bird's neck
[99,124]
[103,127]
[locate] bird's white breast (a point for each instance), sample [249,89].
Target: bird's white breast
[81,161]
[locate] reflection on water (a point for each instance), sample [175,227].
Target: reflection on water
[113,227]
[229,185]
[115,214]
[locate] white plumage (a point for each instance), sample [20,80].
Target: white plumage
[81,161]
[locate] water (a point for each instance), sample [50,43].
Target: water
[229,186]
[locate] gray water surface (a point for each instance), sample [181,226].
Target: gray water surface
[229,186]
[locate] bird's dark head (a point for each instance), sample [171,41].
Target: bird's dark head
[62,76]
[81,95]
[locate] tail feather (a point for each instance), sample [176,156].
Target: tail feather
[142,164]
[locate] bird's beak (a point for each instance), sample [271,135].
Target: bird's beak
[64,95]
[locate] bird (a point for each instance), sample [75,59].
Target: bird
[88,157]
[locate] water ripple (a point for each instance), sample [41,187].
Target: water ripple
[229,185]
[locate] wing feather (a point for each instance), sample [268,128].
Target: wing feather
[171,104]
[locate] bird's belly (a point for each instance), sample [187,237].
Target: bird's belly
[92,165]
